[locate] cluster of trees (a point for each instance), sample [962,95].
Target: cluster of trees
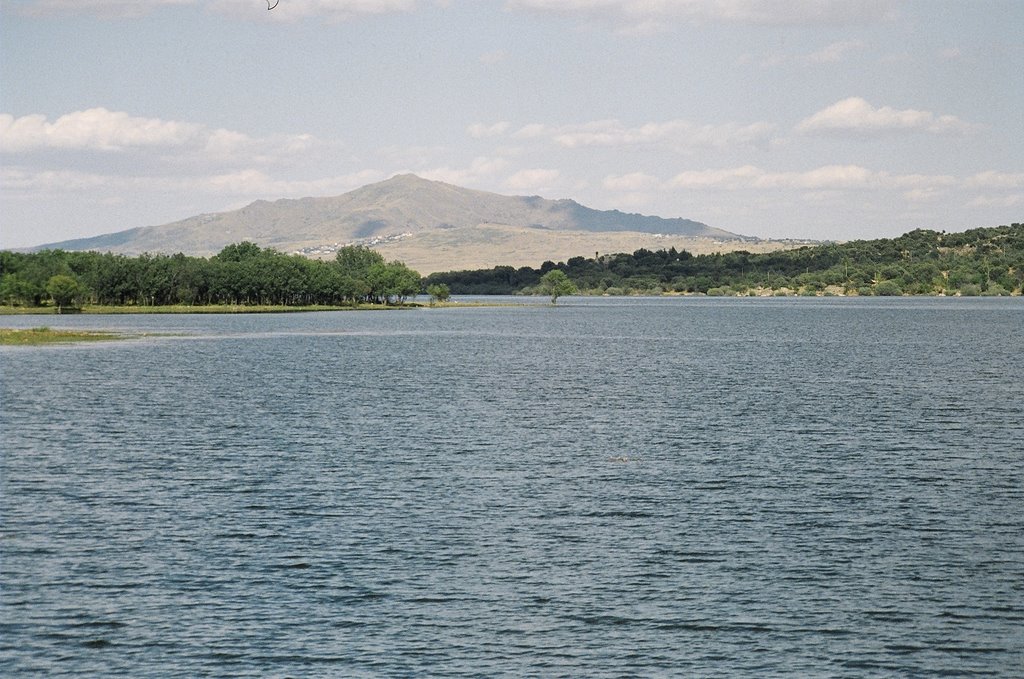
[986,261]
[242,273]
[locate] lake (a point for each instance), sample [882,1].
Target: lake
[609,487]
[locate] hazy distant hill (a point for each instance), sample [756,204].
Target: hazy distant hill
[430,225]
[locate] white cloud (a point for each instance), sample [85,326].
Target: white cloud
[536,180]
[246,182]
[20,181]
[1011,200]
[951,53]
[678,135]
[331,10]
[729,178]
[654,15]
[828,55]
[923,181]
[103,8]
[634,181]
[829,177]
[252,182]
[825,178]
[856,116]
[626,15]
[494,57]
[835,52]
[288,10]
[481,130]
[98,130]
[531,131]
[996,180]
[481,169]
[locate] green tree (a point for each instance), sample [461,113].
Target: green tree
[556,284]
[439,292]
[63,290]
[239,252]
[356,260]
[15,290]
[403,281]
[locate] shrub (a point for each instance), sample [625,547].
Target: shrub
[970,290]
[888,289]
[995,290]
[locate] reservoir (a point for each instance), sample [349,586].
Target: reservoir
[607,487]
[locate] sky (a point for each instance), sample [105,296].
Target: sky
[808,119]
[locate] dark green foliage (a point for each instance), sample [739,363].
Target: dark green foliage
[501,280]
[64,290]
[920,263]
[242,273]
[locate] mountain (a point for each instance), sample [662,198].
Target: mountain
[437,225]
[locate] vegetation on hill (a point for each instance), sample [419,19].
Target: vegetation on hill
[241,273]
[984,261]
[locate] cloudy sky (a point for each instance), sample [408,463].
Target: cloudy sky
[824,119]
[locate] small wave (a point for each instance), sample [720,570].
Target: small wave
[889,616]
[905,649]
[871,665]
[826,631]
[970,650]
[108,624]
[358,597]
[236,536]
[696,557]
[97,643]
[608,620]
[430,600]
[620,514]
[707,626]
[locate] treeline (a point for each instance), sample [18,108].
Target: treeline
[985,261]
[241,273]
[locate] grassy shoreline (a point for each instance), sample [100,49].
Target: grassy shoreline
[100,309]
[96,309]
[28,337]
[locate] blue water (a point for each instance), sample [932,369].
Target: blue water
[611,487]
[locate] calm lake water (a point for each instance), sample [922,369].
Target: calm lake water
[658,487]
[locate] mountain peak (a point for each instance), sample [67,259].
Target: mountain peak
[403,206]
[406,181]
[407,178]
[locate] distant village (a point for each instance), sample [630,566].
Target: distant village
[317,251]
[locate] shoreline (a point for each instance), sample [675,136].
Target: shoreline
[221,309]
[98,309]
[226,309]
[30,337]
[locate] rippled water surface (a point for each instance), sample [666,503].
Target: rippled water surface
[610,487]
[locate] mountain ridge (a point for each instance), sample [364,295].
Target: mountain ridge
[437,225]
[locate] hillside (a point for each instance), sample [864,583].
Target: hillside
[440,225]
[985,261]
